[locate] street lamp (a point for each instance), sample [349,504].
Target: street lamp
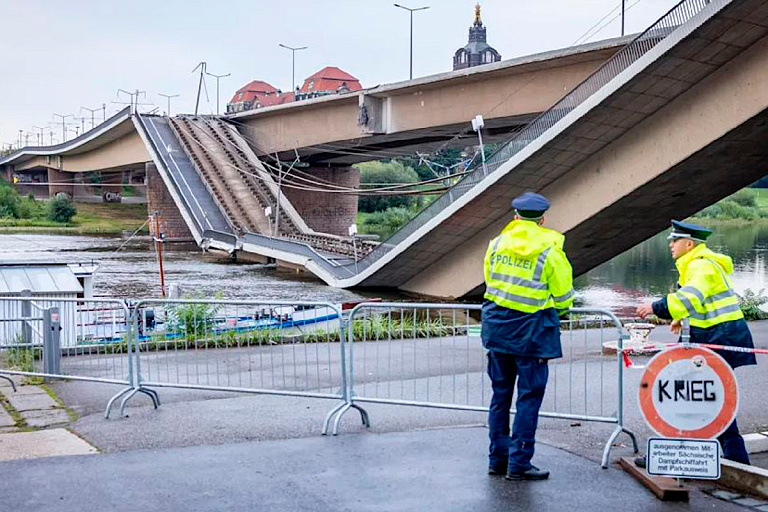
[293,63]
[168,97]
[217,87]
[411,11]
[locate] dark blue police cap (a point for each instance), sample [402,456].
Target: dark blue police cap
[689,230]
[530,205]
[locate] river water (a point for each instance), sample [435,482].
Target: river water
[634,277]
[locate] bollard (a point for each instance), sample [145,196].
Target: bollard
[26,312]
[51,341]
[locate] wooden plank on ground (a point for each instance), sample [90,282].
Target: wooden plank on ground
[665,488]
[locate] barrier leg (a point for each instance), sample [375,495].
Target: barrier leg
[125,400]
[344,409]
[112,401]
[13,384]
[328,417]
[152,394]
[614,435]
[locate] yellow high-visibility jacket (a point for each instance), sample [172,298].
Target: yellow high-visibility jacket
[527,270]
[705,295]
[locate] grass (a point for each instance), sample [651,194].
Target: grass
[91,218]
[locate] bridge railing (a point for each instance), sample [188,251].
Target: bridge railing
[642,44]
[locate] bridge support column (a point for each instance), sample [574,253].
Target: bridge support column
[59,181]
[160,200]
[328,212]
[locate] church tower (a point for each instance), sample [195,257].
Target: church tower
[477,51]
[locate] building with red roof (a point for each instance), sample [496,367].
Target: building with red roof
[329,80]
[259,94]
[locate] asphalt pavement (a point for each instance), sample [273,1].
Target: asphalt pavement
[442,470]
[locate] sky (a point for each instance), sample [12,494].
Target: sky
[57,56]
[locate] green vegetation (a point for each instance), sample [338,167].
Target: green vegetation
[386,222]
[381,174]
[61,209]
[750,304]
[747,204]
[91,218]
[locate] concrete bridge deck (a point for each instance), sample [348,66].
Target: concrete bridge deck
[668,125]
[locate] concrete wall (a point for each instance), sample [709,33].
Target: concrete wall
[325,212]
[160,200]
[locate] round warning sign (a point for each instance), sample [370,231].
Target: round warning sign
[688,393]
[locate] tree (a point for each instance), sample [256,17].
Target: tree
[377,174]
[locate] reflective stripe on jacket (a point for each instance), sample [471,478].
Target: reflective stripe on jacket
[705,295]
[527,270]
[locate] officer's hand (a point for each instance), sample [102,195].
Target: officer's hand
[676,326]
[644,311]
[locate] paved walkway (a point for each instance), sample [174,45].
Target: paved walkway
[442,470]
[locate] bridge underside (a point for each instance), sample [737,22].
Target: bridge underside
[703,139]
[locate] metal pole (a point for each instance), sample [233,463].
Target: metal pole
[623,10]
[26,312]
[411,11]
[411,67]
[293,62]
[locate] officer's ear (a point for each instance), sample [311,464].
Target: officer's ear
[540,222]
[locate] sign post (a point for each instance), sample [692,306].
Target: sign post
[689,396]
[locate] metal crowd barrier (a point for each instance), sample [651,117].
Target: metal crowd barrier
[430,355]
[74,339]
[262,347]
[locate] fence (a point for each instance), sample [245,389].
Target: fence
[76,339]
[430,355]
[263,347]
[424,355]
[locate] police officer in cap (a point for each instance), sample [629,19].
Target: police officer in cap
[528,281]
[705,296]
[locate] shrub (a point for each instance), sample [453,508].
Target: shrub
[61,209]
[750,304]
[377,173]
[744,197]
[30,209]
[9,201]
[385,223]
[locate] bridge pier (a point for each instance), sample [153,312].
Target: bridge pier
[160,200]
[328,212]
[59,181]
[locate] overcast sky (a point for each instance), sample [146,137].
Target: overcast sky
[57,56]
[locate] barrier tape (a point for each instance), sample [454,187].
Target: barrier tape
[651,346]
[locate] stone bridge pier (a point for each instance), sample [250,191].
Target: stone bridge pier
[327,212]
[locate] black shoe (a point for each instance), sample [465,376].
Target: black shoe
[533,473]
[640,462]
[497,470]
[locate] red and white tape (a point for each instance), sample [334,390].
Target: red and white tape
[652,346]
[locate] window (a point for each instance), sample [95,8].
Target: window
[311,85]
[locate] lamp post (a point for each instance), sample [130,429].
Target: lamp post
[411,11]
[93,117]
[168,97]
[63,125]
[217,87]
[293,63]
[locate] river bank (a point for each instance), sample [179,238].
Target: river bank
[91,219]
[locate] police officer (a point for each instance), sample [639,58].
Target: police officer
[528,279]
[706,297]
